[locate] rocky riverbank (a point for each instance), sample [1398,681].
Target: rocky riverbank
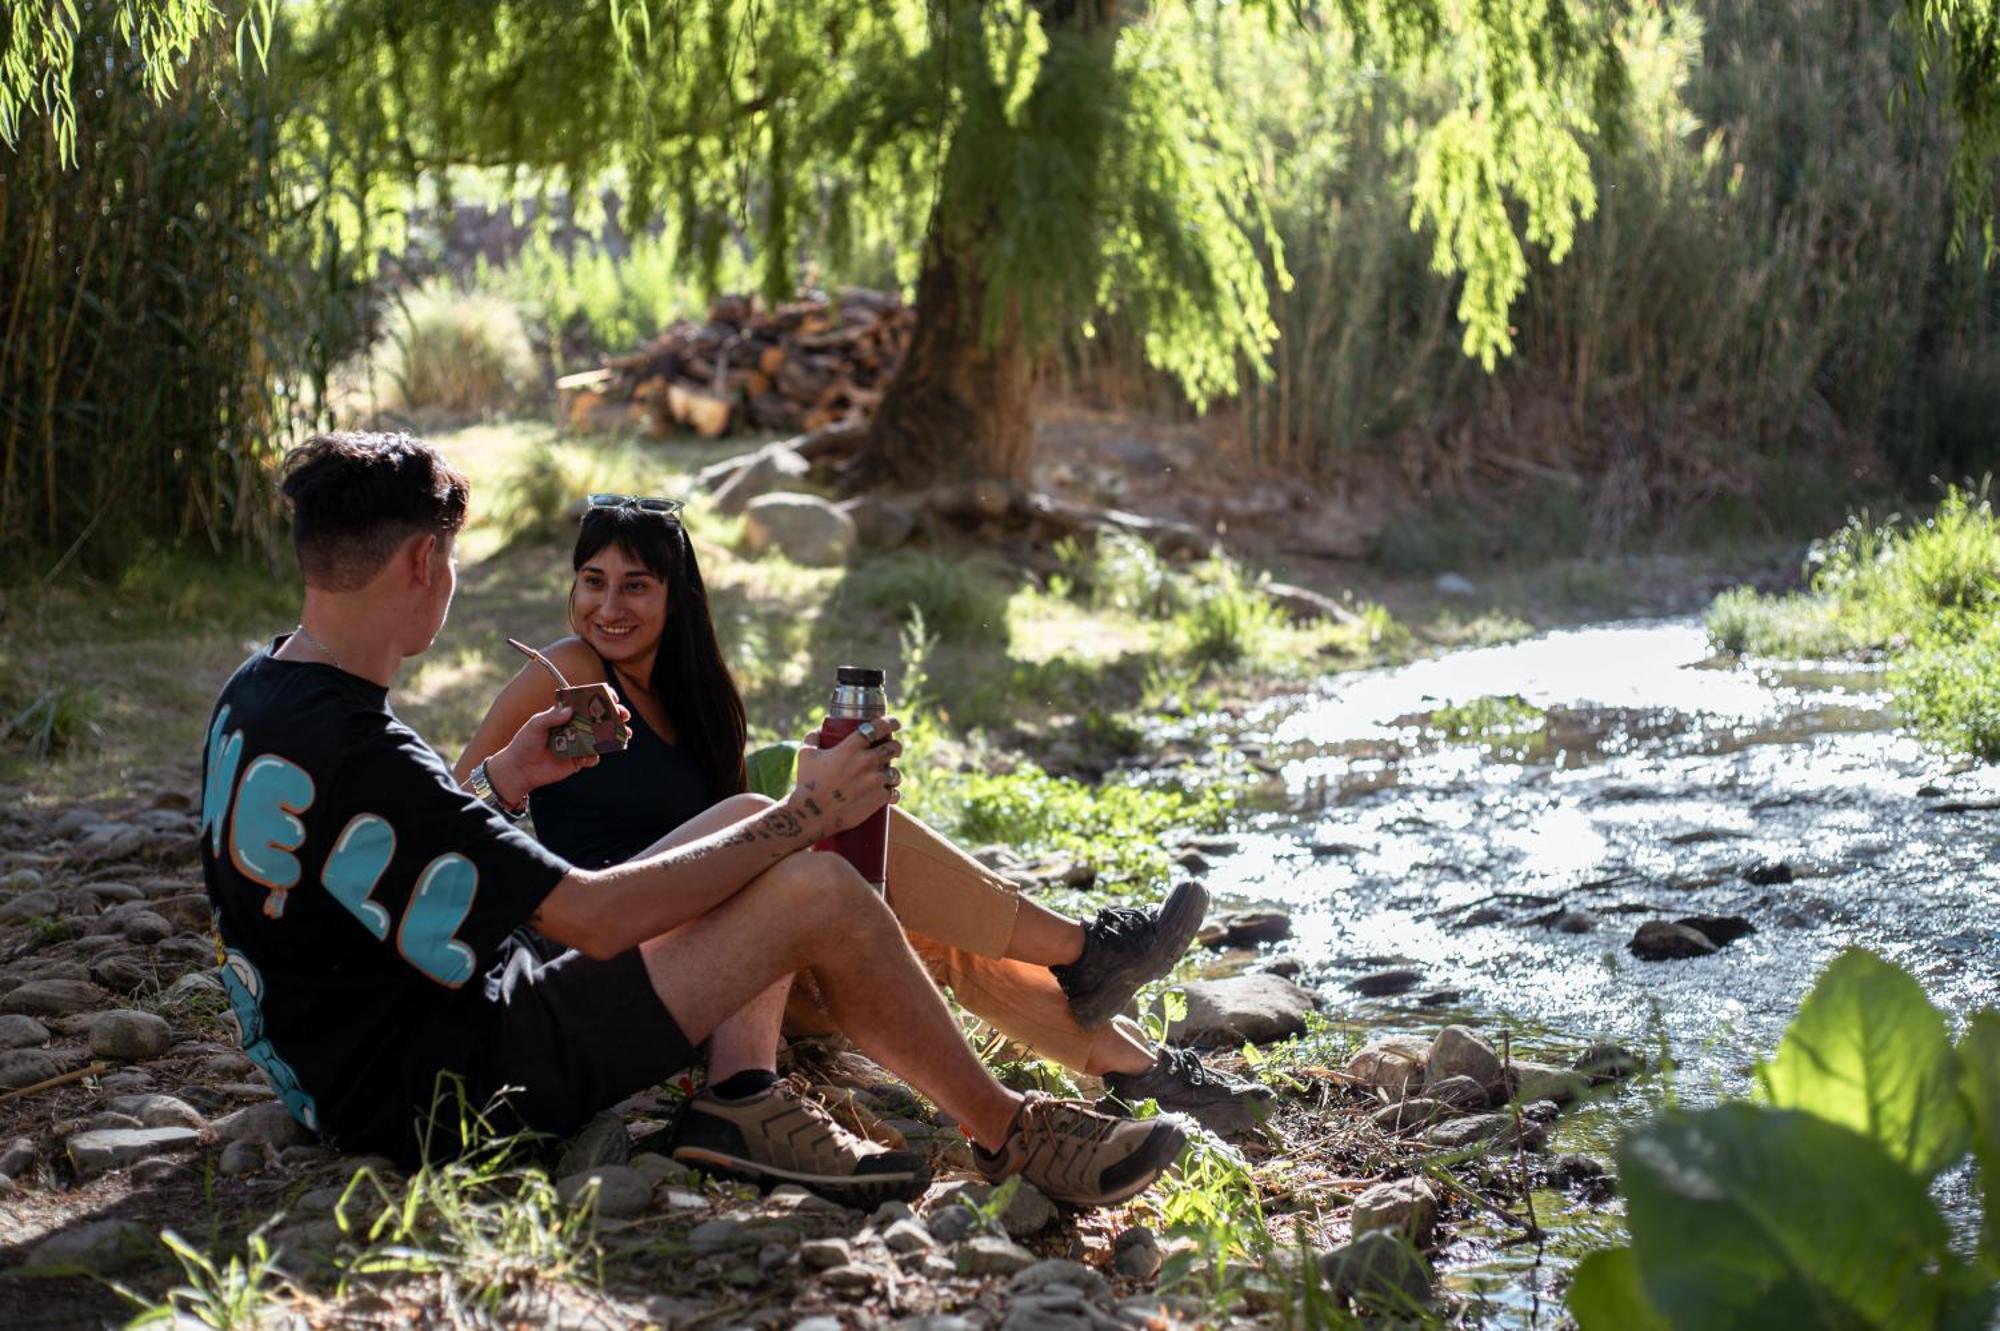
[125,1109]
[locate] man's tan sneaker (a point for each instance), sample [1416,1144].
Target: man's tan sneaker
[1076,1155]
[779,1136]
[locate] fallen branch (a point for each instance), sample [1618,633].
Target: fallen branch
[50,1083]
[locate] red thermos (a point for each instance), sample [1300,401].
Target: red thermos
[858,696]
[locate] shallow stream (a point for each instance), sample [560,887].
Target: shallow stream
[1511,875]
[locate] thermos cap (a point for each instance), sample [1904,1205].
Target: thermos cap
[866,677]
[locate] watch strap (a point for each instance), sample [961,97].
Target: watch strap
[481,786]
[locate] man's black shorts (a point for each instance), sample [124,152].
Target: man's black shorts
[555,1037]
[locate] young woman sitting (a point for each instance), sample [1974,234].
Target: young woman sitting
[639,614]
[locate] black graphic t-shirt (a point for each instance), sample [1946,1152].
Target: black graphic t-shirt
[358,893]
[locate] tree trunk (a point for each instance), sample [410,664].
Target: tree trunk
[962,404]
[959,406]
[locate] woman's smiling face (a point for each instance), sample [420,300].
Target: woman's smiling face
[620,605]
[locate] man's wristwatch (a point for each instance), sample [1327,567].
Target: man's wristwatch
[482,788]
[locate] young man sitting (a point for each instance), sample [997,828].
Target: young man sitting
[384,927]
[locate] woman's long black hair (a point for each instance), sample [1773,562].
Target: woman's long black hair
[690,678]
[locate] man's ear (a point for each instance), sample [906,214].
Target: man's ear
[424,554]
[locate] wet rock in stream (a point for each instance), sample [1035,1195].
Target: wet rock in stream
[1245,928]
[1663,940]
[1721,930]
[1769,873]
[1605,1061]
[1386,984]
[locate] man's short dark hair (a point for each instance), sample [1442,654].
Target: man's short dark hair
[355,497]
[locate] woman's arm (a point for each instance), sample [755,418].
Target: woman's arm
[527,693]
[601,912]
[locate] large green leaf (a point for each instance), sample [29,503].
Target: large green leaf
[1605,1295]
[769,769]
[1979,1058]
[1868,1050]
[1755,1218]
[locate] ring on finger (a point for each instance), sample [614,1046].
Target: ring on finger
[894,779]
[867,732]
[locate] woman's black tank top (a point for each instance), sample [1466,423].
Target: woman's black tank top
[608,813]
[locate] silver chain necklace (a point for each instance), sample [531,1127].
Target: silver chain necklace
[320,647]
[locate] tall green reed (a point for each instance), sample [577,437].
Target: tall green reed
[170,307]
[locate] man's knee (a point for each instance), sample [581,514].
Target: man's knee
[823,895]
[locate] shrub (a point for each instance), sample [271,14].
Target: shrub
[1744,620]
[587,300]
[55,720]
[455,351]
[1125,572]
[1948,689]
[1227,619]
[539,500]
[1950,564]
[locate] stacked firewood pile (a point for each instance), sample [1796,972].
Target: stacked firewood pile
[809,363]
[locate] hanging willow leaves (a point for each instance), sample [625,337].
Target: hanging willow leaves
[1958,42]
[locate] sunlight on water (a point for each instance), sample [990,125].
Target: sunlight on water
[1670,784]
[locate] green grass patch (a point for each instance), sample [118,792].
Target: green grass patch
[1745,620]
[1924,595]
[959,600]
[1118,827]
[1497,724]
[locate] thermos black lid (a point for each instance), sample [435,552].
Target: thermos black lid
[865,677]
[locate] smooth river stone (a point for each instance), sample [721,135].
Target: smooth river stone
[110,1148]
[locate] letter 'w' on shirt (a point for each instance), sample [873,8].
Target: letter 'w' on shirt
[265,829]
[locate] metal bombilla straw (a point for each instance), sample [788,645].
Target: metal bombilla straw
[539,660]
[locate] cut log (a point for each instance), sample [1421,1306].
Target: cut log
[596,379]
[809,362]
[805,379]
[708,413]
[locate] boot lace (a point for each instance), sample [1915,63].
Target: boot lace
[1122,926]
[1186,1066]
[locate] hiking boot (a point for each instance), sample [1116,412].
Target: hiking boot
[1124,947]
[1181,1083]
[779,1136]
[1076,1155]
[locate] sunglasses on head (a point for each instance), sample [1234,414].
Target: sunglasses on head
[644,503]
